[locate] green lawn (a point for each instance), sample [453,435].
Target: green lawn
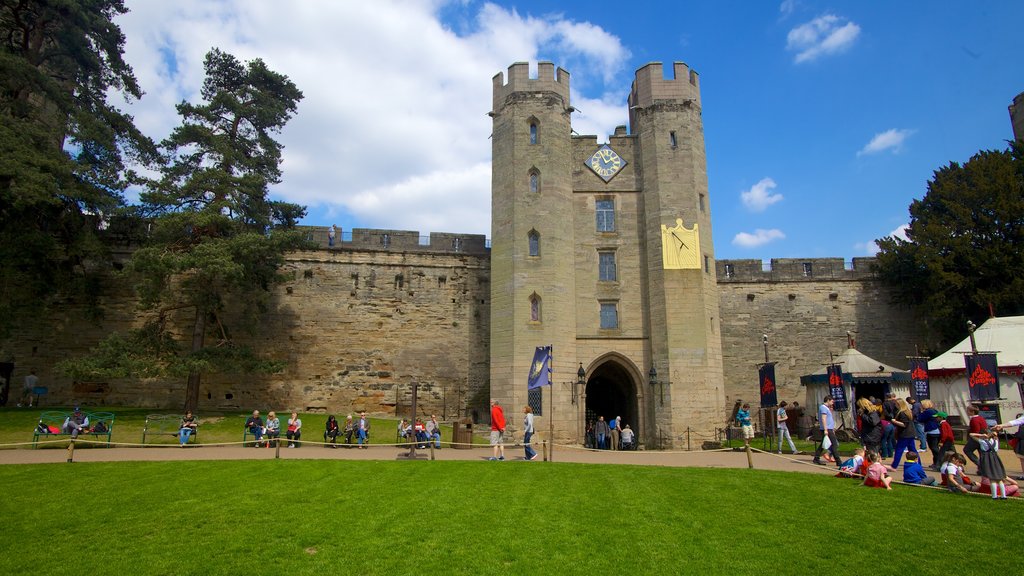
[422,517]
[16,425]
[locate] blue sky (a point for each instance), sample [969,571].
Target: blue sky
[823,120]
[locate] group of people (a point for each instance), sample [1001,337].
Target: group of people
[894,427]
[269,433]
[358,428]
[421,433]
[609,435]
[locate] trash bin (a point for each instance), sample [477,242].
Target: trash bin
[462,434]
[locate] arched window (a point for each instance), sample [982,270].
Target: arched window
[534,130]
[534,240]
[534,308]
[534,180]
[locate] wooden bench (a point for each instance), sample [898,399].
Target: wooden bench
[54,420]
[166,425]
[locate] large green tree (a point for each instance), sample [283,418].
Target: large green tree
[964,252]
[217,241]
[63,148]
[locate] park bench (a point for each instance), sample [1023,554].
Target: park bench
[160,425]
[53,421]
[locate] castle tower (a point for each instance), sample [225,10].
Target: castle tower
[683,319]
[532,285]
[1017,116]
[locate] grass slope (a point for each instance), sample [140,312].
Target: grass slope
[320,517]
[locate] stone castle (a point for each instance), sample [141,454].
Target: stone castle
[602,251]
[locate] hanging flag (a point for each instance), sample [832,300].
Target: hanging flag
[919,378]
[982,376]
[835,387]
[766,378]
[540,370]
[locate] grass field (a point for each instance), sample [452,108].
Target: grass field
[420,517]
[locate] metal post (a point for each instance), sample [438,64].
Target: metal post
[687,438]
[71,451]
[431,448]
[277,448]
[750,458]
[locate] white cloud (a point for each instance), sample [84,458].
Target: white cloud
[891,139]
[760,197]
[871,248]
[758,238]
[823,36]
[787,7]
[393,129]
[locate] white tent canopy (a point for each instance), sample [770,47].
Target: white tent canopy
[948,374]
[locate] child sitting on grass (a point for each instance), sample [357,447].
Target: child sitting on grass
[913,472]
[854,466]
[953,477]
[876,475]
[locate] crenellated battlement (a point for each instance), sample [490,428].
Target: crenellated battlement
[795,270]
[549,79]
[650,85]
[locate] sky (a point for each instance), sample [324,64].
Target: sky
[823,121]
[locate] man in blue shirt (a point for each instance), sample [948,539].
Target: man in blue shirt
[827,423]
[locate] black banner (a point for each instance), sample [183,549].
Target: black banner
[766,379]
[835,387]
[982,376]
[920,385]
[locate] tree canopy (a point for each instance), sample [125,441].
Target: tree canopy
[63,147]
[217,240]
[964,252]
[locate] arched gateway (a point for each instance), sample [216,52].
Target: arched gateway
[614,388]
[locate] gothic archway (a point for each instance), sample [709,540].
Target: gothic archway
[612,391]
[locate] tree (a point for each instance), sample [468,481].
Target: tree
[217,241]
[964,252]
[63,148]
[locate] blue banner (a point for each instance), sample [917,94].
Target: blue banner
[835,387]
[766,379]
[982,376]
[540,370]
[920,384]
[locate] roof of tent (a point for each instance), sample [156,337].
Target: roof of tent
[1004,336]
[857,367]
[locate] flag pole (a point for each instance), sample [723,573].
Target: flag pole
[551,419]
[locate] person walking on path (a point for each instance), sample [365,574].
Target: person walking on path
[976,425]
[497,430]
[528,432]
[827,423]
[601,431]
[906,435]
[781,416]
[614,426]
[743,418]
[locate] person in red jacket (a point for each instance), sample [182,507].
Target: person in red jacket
[497,430]
[974,426]
[946,439]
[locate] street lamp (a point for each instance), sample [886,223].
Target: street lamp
[581,381]
[653,377]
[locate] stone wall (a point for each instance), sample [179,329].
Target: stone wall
[356,327]
[806,312]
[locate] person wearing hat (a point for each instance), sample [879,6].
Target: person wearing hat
[75,423]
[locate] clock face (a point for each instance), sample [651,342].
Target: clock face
[606,163]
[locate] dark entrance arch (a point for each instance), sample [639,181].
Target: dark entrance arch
[611,392]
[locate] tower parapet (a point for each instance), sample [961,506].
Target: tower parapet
[651,85]
[549,79]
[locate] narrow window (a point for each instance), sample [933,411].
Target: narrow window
[399,281]
[457,244]
[534,181]
[385,240]
[707,264]
[606,266]
[605,215]
[808,270]
[700,202]
[534,240]
[609,316]
[534,308]
[672,139]
[533,132]
[730,271]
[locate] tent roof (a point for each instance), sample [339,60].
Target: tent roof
[1004,336]
[855,365]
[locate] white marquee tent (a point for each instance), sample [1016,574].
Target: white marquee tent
[948,375]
